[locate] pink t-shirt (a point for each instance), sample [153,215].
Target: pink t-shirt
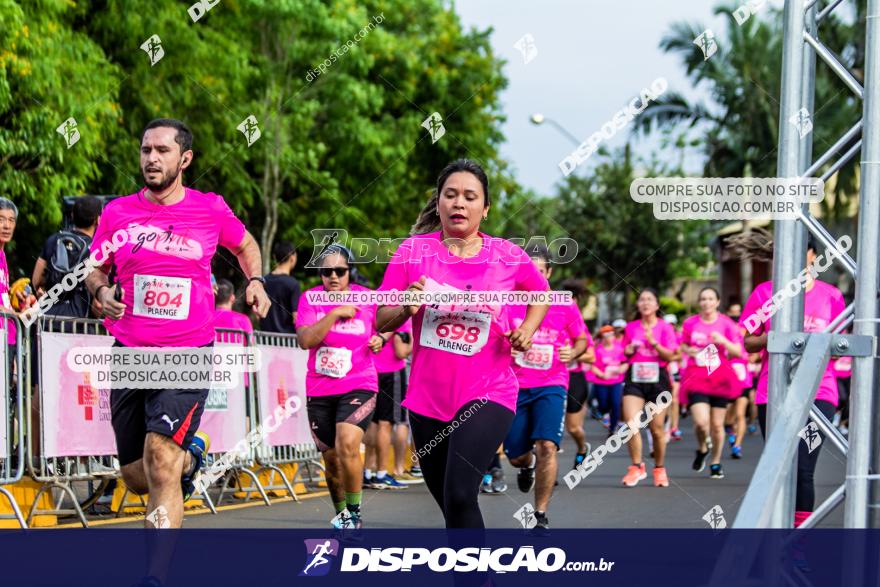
[540,365]
[608,358]
[386,361]
[342,362]
[165,267]
[822,304]
[698,334]
[741,368]
[7,302]
[460,354]
[664,335]
[231,319]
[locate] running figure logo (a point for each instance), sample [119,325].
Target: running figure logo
[526,46]
[153,48]
[801,119]
[706,42]
[810,434]
[69,131]
[250,130]
[715,518]
[434,124]
[317,553]
[709,358]
[526,516]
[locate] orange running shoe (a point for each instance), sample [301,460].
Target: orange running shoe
[660,478]
[634,474]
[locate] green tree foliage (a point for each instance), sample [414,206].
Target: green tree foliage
[739,129]
[342,149]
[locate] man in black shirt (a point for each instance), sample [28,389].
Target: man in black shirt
[283,290]
[64,250]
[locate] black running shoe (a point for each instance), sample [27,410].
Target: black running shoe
[716,472]
[525,479]
[542,525]
[700,461]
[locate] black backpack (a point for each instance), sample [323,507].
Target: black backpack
[71,249]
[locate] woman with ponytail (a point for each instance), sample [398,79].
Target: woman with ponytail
[822,304]
[462,391]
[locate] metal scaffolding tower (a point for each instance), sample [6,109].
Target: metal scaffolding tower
[798,359]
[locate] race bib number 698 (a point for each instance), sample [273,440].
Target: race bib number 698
[461,333]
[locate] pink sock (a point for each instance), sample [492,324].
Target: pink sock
[800,518]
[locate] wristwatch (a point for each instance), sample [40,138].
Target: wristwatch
[259,278]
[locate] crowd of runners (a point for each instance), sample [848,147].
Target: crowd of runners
[437,394]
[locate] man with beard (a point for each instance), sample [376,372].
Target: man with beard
[162,297]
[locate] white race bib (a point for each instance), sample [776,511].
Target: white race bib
[162,297]
[540,356]
[610,372]
[645,372]
[461,333]
[740,369]
[333,362]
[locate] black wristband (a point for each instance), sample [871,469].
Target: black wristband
[97,291]
[259,278]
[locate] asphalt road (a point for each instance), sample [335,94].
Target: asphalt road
[600,501]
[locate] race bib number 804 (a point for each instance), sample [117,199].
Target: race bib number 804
[162,297]
[461,333]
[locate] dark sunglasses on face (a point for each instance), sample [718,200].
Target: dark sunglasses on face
[328,271]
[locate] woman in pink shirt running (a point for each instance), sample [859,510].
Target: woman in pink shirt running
[710,339]
[822,304]
[649,344]
[462,392]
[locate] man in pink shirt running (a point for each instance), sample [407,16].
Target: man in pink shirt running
[163,298]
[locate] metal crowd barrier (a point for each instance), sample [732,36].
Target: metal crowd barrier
[241,464]
[12,418]
[59,473]
[304,455]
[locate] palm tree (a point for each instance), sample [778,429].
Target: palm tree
[738,130]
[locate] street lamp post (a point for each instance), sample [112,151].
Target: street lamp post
[539,119]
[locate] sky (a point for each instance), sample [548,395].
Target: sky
[593,56]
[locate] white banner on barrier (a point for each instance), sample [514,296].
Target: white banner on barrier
[5,420]
[225,413]
[284,375]
[76,415]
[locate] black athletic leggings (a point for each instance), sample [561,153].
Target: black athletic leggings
[454,458]
[805,496]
